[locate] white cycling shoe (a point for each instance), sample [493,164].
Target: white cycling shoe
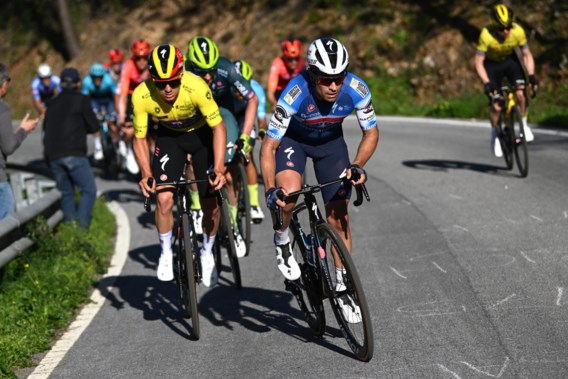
[131,164]
[256,215]
[529,136]
[495,143]
[166,267]
[98,155]
[209,275]
[240,246]
[350,310]
[287,263]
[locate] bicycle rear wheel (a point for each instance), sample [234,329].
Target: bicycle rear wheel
[520,142]
[187,275]
[243,208]
[226,229]
[356,326]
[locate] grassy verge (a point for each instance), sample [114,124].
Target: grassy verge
[42,288]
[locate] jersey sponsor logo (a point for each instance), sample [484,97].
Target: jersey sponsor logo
[292,94]
[157,110]
[208,95]
[164,160]
[242,89]
[163,177]
[280,113]
[359,87]
[369,108]
[223,72]
[311,108]
[290,164]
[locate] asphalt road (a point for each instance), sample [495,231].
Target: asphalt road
[464,265]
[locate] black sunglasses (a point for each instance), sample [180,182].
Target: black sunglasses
[174,83]
[201,72]
[329,80]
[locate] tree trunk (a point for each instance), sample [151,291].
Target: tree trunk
[71,40]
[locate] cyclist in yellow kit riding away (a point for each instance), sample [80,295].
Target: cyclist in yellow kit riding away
[496,59]
[189,121]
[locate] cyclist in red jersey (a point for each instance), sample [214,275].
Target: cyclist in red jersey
[134,71]
[284,68]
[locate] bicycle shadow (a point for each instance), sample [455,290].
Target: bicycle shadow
[259,310]
[443,165]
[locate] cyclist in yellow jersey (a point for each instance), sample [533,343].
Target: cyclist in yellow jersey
[189,121]
[495,59]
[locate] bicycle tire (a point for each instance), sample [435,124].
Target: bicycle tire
[243,209]
[506,145]
[359,336]
[227,230]
[520,142]
[188,277]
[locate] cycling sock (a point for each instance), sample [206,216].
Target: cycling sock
[253,194]
[281,237]
[233,212]
[524,118]
[207,247]
[97,141]
[166,242]
[195,203]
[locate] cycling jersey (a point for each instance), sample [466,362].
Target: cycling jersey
[495,50]
[42,92]
[193,108]
[226,78]
[130,77]
[300,116]
[105,90]
[279,75]
[240,106]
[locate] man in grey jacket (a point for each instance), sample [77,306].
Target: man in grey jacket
[10,140]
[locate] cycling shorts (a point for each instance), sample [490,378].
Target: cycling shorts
[329,159]
[509,68]
[104,105]
[171,152]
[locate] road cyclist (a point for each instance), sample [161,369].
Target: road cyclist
[283,68]
[189,122]
[308,122]
[44,87]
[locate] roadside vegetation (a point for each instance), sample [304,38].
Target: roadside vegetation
[42,289]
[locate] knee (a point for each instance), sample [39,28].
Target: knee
[164,202]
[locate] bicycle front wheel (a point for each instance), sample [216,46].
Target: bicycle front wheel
[187,274]
[227,230]
[243,208]
[505,139]
[346,296]
[520,142]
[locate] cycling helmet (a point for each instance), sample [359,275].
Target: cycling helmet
[115,56]
[202,53]
[97,69]
[291,48]
[502,15]
[44,71]
[327,56]
[165,62]
[140,48]
[244,68]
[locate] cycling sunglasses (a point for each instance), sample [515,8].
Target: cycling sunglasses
[329,80]
[173,83]
[202,73]
[292,59]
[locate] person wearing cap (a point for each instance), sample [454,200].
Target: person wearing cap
[44,87]
[70,118]
[10,140]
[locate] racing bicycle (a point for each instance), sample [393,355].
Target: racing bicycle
[319,252]
[511,132]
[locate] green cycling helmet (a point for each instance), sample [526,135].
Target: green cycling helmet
[244,68]
[202,53]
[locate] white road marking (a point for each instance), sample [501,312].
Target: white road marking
[88,313]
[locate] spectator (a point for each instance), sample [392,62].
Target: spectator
[10,140]
[69,118]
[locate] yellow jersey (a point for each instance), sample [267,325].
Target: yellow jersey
[497,50]
[193,108]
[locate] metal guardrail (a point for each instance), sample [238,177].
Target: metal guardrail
[35,195]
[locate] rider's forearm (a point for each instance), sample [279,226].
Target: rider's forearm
[367,146]
[268,162]
[480,69]
[250,115]
[219,147]
[140,148]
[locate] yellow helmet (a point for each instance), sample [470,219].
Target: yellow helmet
[502,15]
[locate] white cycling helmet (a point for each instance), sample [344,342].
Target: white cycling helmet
[44,71]
[327,56]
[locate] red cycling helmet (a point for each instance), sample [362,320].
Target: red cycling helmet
[291,48]
[140,48]
[115,56]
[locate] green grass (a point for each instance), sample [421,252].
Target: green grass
[42,288]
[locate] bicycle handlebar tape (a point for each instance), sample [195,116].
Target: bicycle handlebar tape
[147,199]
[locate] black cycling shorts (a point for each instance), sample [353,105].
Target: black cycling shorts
[510,68]
[171,153]
[330,159]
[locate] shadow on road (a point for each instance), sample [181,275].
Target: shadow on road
[442,165]
[257,309]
